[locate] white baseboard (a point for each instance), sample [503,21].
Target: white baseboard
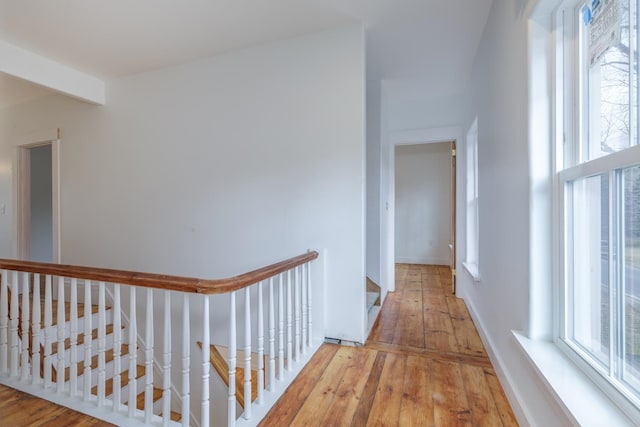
[514,394]
[427,261]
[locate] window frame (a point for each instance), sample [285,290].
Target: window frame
[566,168]
[472,222]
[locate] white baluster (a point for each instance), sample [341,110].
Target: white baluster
[13,325]
[309,305]
[25,327]
[231,407]
[272,338]
[148,359]
[289,323]
[133,357]
[206,362]
[166,361]
[61,320]
[73,338]
[102,343]
[296,312]
[281,328]
[4,323]
[247,353]
[186,360]
[48,330]
[35,330]
[303,297]
[88,340]
[117,348]
[260,384]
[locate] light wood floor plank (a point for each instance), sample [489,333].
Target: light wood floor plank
[286,408]
[450,407]
[320,398]
[345,403]
[385,410]
[416,408]
[500,399]
[480,398]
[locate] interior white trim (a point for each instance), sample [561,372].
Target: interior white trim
[21,183]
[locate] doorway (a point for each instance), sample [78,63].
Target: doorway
[387,200]
[37,200]
[424,204]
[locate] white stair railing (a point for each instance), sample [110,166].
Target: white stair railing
[93,347]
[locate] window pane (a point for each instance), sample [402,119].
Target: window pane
[631,230]
[608,81]
[590,265]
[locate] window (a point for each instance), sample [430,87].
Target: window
[471,258]
[598,171]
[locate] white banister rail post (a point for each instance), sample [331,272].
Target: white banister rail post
[73,339]
[133,352]
[13,325]
[4,323]
[61,318]
[88,341]
[272,339]
[102,344]
[231,406]
[296,312]
[186,361]
[35,331]
[48,330]
[289,320]
[309,304]
[247,353]
[280,328]
[117,348]
[206,362]
[303,297]
[166,360]
[148,358]
[25,327]
[261,367]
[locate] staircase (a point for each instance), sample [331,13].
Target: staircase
[84,349]
[121,345]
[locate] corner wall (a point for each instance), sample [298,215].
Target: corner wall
[220,166]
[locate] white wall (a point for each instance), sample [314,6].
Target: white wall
[222,165]
[423,203]
[374,124]
[500,302]
[41,210]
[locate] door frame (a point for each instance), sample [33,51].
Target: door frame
[387,199]
[21,191]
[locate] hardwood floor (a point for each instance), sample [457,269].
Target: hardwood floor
[423,365]
[21,409]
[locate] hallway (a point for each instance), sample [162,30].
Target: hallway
[424,364]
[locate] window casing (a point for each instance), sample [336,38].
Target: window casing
[598,189]
[471,256]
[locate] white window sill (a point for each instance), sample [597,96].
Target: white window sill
[472,269]
[583,401]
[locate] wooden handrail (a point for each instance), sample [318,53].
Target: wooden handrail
[160,281]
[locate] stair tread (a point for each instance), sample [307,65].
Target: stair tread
[94,337]
[220,364]
[94,363]
[124,381]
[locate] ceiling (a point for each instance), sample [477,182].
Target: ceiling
[431,40]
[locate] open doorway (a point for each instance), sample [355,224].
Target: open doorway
[387,196]
[424,204]
[37,200]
